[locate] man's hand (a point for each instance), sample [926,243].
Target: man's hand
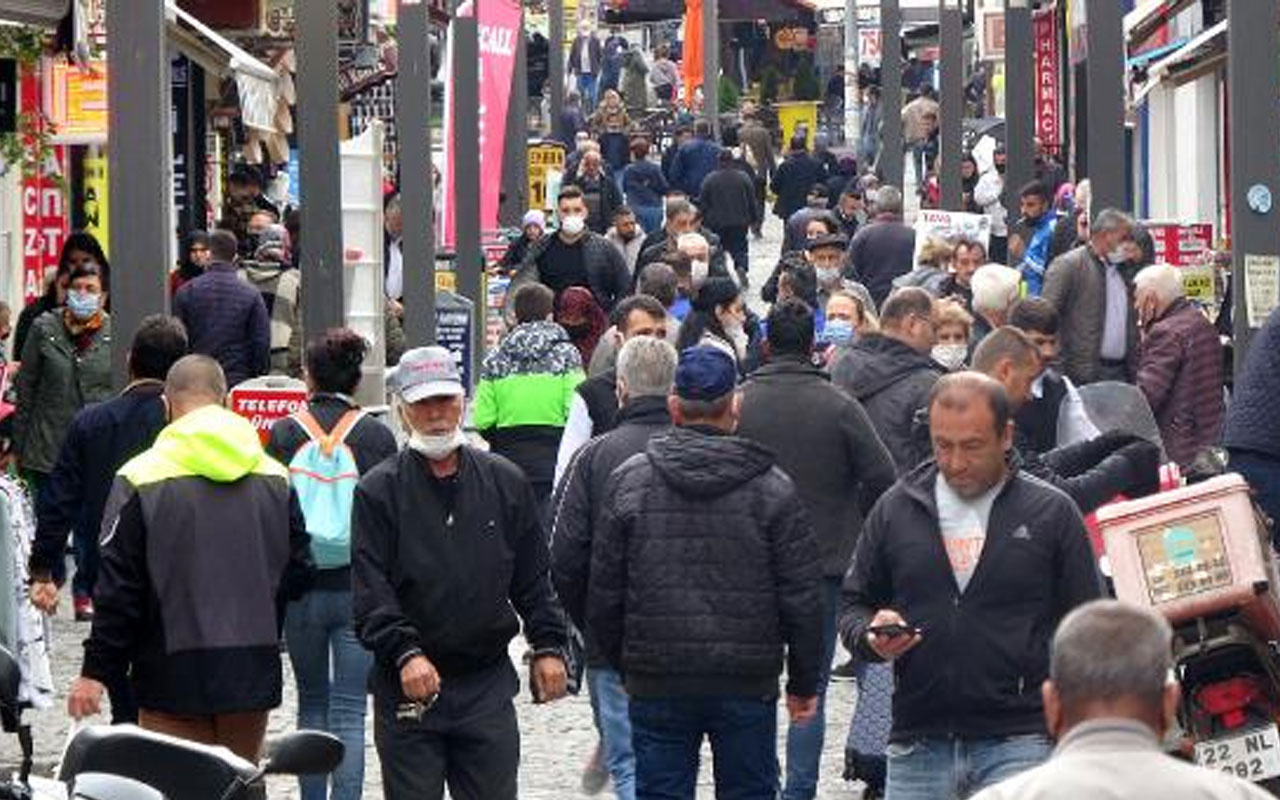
[85,698]
[44,595]
[802,709]
[419,679]
[890,647]
[549,677]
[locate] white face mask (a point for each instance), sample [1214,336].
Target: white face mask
[951,356]
[698,272]
[738,336]
[437,447]
[573,224]
[828,276]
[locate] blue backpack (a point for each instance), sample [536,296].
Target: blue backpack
[324,475]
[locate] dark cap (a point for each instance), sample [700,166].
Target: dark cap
[705,373]
[830,240]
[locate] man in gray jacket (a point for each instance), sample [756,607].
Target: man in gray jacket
[1109,707]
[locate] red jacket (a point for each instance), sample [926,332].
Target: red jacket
[1180,372]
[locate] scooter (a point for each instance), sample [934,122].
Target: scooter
[124,762]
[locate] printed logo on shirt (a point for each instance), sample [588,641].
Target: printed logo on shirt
[963,551]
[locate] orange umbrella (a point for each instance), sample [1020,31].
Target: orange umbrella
[691,60]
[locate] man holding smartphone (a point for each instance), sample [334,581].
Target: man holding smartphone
[963,571]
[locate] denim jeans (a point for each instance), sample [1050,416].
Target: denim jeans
[667,734]
[804,741]
[649,217]
[1263,475]
[587,91]
[85,546]
[609,705]
[943,768]
[331,669]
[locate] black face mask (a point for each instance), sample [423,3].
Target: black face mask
[1000,168]
[579,331]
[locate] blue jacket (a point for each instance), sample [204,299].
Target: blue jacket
[644,184]
[1036,260]
[696,159]
[101,439]
[227,320]
[1250,423]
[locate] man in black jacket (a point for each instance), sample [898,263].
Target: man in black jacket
[728,203]
[646,370]
[447,549]
[891,373]
[824,440]
[704,570]
[101,439]
[884,248]
[575,256]
[963,572]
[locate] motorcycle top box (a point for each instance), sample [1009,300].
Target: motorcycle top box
[1194,552]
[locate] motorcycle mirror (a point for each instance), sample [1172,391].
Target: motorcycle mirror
[10,678]
[303,753]
[101,786]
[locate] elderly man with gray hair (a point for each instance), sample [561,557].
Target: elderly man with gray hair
[1179,364]
[646,372]
[1094,297]
[1109,701]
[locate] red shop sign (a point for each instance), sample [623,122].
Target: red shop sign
[266,407]
[1048,84]
[44,208]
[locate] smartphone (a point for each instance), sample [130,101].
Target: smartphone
[894,629]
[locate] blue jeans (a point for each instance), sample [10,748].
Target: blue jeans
[609,706]
[649,217]
[804,741]
[331,669]
[1263,475]
[667,735]
[942,768]
[587,91]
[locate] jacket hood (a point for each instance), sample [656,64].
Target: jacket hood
[262,271]
[533,347]
[644,411]
[213,443]
[787,366]
[702,463]
[876,362]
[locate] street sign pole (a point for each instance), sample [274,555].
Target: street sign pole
[555,64]
[711,64]
[890,159]
[1255,160]
[413,115]
[951,42]
[319,166]
[138,121]
[466,164]
[1105,114]
[852,113]
[515,161]
[1019,103]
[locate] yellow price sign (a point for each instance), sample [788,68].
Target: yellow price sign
[543,157]
[1197,283]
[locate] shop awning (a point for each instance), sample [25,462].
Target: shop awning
[1147,16]
[769,10]
[1202,52]
[257,84]
[34,12]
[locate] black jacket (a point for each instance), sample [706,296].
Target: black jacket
[607,275]
[792,182]
[600,393]
[580,496]
[893,382]
[101,439]
[728,200]
[226,319]
[985,652]
[704,569]
[832,452]
[443,567]
[881,251]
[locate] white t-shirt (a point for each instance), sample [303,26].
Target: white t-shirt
[964,527]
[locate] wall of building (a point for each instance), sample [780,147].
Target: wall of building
[1182,181]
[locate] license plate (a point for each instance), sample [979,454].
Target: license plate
[1254,756]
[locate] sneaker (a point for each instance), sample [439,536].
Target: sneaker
[844,672]
[84,609]
[595,777]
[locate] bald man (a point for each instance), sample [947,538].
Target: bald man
[201,543]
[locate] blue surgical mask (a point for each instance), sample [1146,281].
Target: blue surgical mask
[83,305]
[839,332]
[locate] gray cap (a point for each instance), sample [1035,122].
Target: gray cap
[428,372]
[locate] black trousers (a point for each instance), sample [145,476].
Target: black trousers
[468,740]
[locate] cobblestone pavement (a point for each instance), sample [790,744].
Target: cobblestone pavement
[556,739]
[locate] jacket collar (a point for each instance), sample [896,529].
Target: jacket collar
[644,411]
[220,266]
[1108,735]
[1174,308]
[789,365]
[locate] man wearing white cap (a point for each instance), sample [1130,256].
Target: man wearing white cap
[448,548]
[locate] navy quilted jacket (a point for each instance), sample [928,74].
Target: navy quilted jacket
[1250,423]
[227,320]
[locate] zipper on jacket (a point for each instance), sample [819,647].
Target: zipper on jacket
[1022,685]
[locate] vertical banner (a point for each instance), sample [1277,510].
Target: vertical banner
[499,26]
[1048,85]
[96,208]
[44,206]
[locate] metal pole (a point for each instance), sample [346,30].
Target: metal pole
[413,101]
[890,160]
[951,132]
[138,118]
[852,112]
[555,65]
[1105,75]
[711,64]
[1255,161]
[466,165]
[319,167]
[515,161]
[1019,103]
